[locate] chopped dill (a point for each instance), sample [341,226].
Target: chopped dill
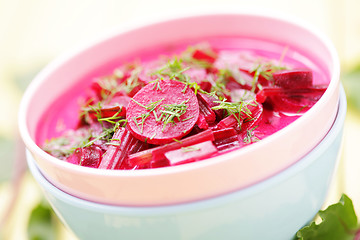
[187,56]
[302,108]
[106,135]
[150,108]
[188,118]
[152,136]
[132,81]
[250,136]
[172,112]
[113,119]
[176,140]
[190,149]
[234,108]
[265,70]
[173,69]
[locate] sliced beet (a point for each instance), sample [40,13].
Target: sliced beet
[203,56]
[250,114]
[97,90]
[121,145]
[90,156]
[104,86]
[114,154]
[107,111]
[261,96]
[209,102]
[135,90]
[132,83]
[251,120]
[158,164]
[201,122]
[252,72]
[296,78]
[205,85]
[291,100]
[116,107]
[230,121]
[75,157]
[242,80]
[191,153]
[312,92]
[291,104]
[205,109]
[141,157]
[206,135]
[224,133]
[150,115]
[226,139]
[157,154]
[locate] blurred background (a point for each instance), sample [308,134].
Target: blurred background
[34,32]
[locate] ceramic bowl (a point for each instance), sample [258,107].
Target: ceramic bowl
[273,209]
[189,182]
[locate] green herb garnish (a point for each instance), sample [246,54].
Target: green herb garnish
[113,119]
[250,136]
[172,112]
[265,70]
[174,69]
[235,109]
[132,81]
[62,147]
[150,108]
[187,56]
[106,135]
[190,149]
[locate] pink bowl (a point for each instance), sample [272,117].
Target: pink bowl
[200,180]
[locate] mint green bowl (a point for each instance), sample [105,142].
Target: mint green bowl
[272,209]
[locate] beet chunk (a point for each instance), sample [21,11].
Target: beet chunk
[86,156]
[226,139]
[203,56]
[121,145]
[191,153]
[157,154]
[297,78]
[295,100]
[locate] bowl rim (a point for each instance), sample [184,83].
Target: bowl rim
[335,132]
[57,62]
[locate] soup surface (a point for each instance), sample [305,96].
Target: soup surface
[181,103]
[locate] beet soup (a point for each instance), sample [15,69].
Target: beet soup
[181,103]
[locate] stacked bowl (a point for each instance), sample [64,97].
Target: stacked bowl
[268,189]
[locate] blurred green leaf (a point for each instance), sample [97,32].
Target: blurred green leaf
[42,223]
[351,83]
[7,147]
[338,221]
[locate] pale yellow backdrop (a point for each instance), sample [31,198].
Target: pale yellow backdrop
[33,32]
